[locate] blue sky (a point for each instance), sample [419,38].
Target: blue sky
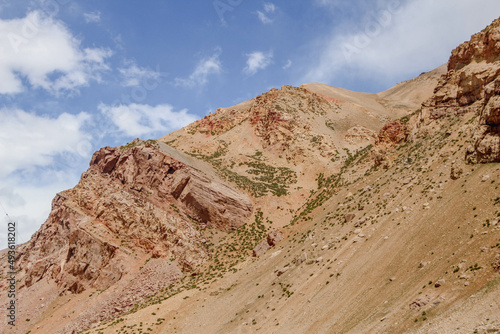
[80,75]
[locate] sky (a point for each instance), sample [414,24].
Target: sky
[78,75]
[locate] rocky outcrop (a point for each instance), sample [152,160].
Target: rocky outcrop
[392,133]
[472,84]
[455,172]
[272,239]
[133,198]
[162,178]
[349,217]
[484,46]
[217,123]
[260,249]
[275,118]
[156,275]
[274,115]
[359,135]
[496,263]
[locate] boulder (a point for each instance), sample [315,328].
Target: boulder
[274,237]
[301,259]
[349,217]
[455,172]
[261,248]
[392,133]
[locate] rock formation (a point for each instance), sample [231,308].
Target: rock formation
[472,85]
[130,197]
[392,133]
[168,231]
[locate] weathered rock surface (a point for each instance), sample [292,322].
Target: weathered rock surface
[260,249]
[455,172]
[360,135]
[130,198]
[348,217]
[156,275]
[275,121]
[392,133]
[161,177]
[496,263]
[472,84]
[273,237]
[420,302]
[301,259]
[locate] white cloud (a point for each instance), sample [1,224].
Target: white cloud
[136,120]
[40,156]
[256,61]
[28,203]
[134,75]
[263,16]
[92,17]
[28,140]
[43,52]
[269,7]
[207,66]
[398,40]
[287,65]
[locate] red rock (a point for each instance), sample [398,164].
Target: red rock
[392,133]
[130,198]
[472,85]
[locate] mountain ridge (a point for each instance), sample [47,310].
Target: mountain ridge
[373,213]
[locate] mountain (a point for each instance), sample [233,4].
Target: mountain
[308,209]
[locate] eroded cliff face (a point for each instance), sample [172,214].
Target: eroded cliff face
[472,85]
[133,198]
[166,181]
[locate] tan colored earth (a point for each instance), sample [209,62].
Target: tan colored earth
[308,209]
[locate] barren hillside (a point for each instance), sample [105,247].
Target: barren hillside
[307,209]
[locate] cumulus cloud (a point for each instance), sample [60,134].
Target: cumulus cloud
[199,77]
[40,156]
[28,202]
[41,51]
[257,61]
[134,75]
[92,17]
[399,39]
[138,120]
[28,140]
[269,8]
